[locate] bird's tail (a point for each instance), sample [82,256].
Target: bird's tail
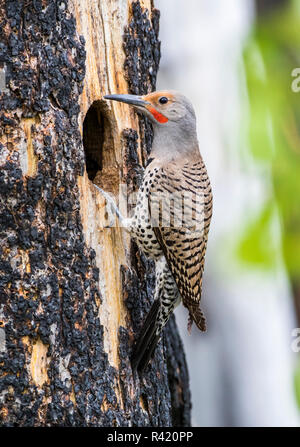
[196,316]
[147,340]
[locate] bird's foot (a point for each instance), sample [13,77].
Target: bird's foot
[113,211]
[110,208]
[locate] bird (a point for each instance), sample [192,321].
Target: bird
[171,219]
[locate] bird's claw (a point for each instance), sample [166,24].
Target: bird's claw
[110,209]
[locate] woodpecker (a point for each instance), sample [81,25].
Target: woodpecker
[172,216]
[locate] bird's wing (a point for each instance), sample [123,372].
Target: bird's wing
[180,206]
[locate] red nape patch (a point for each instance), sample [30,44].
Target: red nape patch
[158,116]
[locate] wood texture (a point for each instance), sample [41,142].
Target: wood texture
[72,294]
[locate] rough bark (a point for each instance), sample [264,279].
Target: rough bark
[72,294]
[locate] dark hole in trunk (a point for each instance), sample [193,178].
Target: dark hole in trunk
[98,142]
[93,140]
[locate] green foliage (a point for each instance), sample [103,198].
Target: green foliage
[271,55]
[257,246]
[297,383]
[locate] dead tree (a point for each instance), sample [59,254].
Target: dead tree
[73,294]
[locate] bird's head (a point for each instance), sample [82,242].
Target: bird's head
[164,108]
[173,118]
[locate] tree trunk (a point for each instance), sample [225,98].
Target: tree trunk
[73,294]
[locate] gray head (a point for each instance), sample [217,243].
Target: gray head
[172,115]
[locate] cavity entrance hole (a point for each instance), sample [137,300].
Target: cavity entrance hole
[93,139]
[99,147]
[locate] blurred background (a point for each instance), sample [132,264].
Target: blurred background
[235,61]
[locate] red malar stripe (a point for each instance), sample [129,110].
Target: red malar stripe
[158,116]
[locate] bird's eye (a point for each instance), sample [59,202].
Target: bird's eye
[163,100]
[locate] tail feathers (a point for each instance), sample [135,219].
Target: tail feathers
[147,340]
[196,315]
[146,354]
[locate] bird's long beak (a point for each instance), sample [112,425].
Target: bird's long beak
[133,100]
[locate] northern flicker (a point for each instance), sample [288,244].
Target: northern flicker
[172,215]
